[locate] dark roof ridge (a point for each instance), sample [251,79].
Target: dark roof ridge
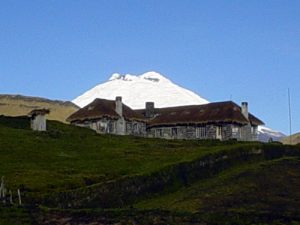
[203,113]
[194,105]
[108,100]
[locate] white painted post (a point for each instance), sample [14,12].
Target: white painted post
[19,195]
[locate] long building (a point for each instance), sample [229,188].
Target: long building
[219,120]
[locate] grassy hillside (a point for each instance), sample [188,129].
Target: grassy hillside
[15,216]
[265,187]
[67,157]
[293,139]
[17,105]
[251,193]
[145,180]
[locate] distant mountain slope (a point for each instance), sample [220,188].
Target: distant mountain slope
[265,134]
[293,139]
[136,90]
[18,105]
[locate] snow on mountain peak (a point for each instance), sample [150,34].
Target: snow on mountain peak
[138,89]
[148,76]
[115,76]
[154,77]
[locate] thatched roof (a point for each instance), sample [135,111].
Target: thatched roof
[219,112]
[36,112]
[103,108]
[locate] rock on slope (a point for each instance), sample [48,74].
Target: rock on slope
[136,90]
[17,105]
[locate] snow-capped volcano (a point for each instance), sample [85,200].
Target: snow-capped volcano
[138,89]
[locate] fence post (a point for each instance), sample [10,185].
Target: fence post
[1,187]
[4,195]
[10,197]
[19,195]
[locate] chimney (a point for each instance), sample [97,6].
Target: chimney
[244,108]
[149,109]
[119,106]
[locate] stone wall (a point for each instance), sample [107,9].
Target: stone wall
[248,133]
[209,131]
[136,128]
[101,126]
[38,123]
[119,127]
[201,132]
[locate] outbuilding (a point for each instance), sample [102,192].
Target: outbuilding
[218,120]
[38,119]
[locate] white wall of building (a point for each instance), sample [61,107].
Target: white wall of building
[38,123]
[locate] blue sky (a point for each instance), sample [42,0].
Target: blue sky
[239,50]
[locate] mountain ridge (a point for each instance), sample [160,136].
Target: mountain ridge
[33,98]
[19,105]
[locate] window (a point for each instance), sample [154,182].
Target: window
[201,132]
[174,132]
[84,124]
[136,128]
[110,127]
[254,130]
[101,126]
[158,133]
[235,130]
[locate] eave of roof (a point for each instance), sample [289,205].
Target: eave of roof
[103,108]
[39,112]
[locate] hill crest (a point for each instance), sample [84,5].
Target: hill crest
[18,105]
